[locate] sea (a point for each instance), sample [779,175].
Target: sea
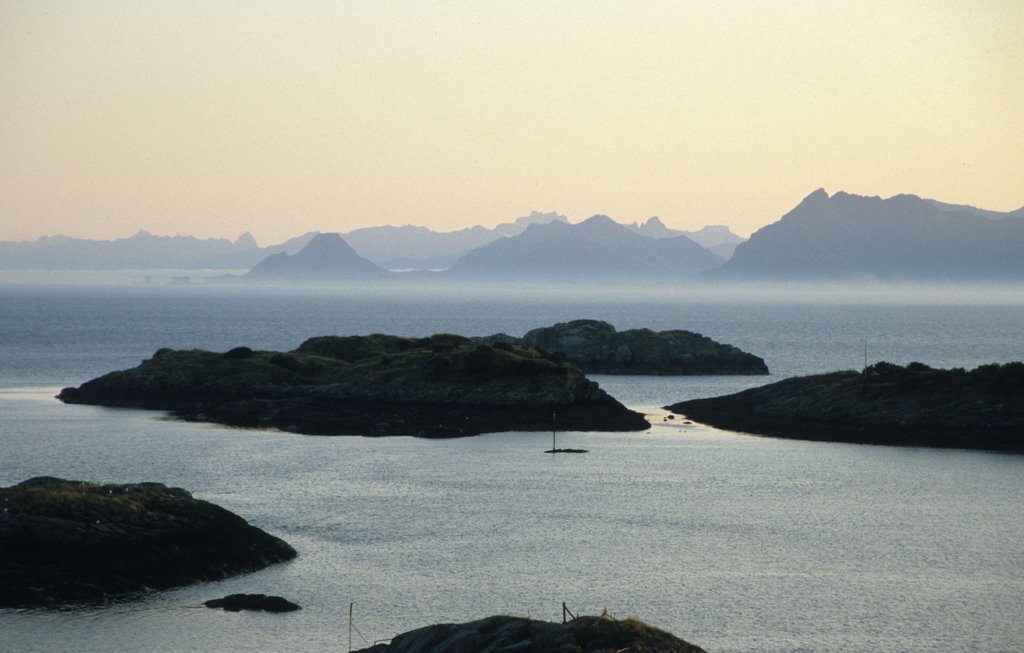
[734,542]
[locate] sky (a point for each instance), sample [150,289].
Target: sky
[215,118]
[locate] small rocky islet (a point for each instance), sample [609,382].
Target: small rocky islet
[65,542]
[508,634]
[441,386]
[912,405]
[252,603]
[596,347]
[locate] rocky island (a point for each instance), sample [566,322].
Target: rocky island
[597,348]
[505,634]
[441,386]
[890,404]
[71,541]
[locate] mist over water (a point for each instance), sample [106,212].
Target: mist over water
[736,543]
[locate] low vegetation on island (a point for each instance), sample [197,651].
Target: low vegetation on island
[72,542]
[597,348]
[506,634]
[441,386]
[914,405]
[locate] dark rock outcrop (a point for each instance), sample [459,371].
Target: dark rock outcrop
[253,602]
[886,404]
[441,386]
[503,634]
[597,348]
[71,541]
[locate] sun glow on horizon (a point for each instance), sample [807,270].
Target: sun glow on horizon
[216,119]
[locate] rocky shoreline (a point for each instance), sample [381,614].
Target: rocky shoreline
[887,404]
[441,386]
[72,542]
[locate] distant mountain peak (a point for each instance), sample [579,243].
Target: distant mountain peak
[325,257]
[900,238]
[597,248]
[600,219]
[817,195]
[654,228]
[536,217]
[326,244]
[245,241]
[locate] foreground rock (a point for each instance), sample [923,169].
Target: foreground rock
[597,348]
[502,634]
[69,541]
[886,404]
[440,386]
[253,602]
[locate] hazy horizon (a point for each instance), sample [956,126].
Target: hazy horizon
[214,120]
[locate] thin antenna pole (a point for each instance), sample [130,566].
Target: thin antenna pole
[350,626]
[865,354]
[554,416]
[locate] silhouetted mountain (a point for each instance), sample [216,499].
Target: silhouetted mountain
[597,248]
[653,227]
[717,238]
[141,251]
[407,247]
[901,238]
[250,257]
[327,257]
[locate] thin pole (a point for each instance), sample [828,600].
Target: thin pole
[350,626]
[554,416]
[865,355]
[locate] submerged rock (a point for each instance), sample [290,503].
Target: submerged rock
[71,541]
[885,404]
[597,348]
[254,602]
[503,634]
[440,386]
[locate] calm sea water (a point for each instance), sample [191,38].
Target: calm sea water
[734,542]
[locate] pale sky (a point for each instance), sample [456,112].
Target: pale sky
[213,118]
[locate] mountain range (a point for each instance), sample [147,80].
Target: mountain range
[142,251]
[597,248]
[419,248]
[824,238]
[717,238]
[406,247]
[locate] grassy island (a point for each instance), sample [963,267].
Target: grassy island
[441,386]
[598,348]
[914,405]
[70,541]
[506,634]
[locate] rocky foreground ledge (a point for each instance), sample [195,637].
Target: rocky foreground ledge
[69,541]
[441,386]
[503,634]
[885,404]
[597,348]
